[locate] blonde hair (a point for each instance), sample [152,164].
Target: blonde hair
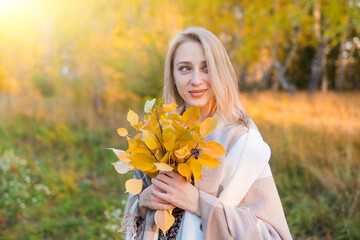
[221,72]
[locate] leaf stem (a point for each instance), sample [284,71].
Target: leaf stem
[157,118]
[162,147]
[191,152]
[151,153]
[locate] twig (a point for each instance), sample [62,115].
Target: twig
[152,153]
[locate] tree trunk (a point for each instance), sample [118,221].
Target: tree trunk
[266,74]
[317,68]
[324,79]
[243,76]
[316,64]
[97,97]
[282,79]
[340,68]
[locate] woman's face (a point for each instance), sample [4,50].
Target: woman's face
[191,75]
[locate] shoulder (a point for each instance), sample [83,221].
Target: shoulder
[226,134]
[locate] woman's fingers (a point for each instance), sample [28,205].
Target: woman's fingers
[170,174]
[164,177]
[162,196]
[160,185]
[158,189]
[163,206]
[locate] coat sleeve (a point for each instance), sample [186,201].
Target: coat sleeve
[258,216]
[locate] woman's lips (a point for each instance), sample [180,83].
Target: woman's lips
[197,93]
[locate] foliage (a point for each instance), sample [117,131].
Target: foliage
[21,187]
[315,163]
[167,141]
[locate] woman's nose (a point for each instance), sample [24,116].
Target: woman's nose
[197,78]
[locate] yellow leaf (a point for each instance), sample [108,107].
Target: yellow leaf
[165,158]
[150,123]
[132,117]
[121,168]
[207,126]
[122,132]
[185,170]
[149,105]
[196,168]
[138,136]
[195,127]
[163,119]
[213,149]
[163,167]
[196,136]
[159,154]
[164,220]
[183,134]
[152,174]
[207,161]
[191,116]
[182,152]
[138,126]
[137,146]
[175,117]
[144,162]
[133,186]
[169,107]
[151,140]
[169,138]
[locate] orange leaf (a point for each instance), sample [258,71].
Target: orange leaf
[185,170]
[133,186]
[207,161]
[213,149]
[164,220]
[182,152]
[191,116]
[169,107]
[207,126]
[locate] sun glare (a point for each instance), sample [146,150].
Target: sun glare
[14,7]
[8,5]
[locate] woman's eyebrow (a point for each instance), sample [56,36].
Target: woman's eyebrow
[183,62]
[186,62]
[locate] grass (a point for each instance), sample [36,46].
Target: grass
[315,144]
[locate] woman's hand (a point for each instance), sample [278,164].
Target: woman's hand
[148,199]
[175,190]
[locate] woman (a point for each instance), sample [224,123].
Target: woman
[236,200]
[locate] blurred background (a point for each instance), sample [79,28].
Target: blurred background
[70,70]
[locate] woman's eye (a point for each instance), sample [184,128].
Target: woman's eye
[184,69]
[205,68]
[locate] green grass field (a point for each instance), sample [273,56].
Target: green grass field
[56,180]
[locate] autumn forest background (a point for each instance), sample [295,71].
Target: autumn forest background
[70,70]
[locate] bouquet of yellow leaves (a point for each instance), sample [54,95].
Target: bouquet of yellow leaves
[167,142]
